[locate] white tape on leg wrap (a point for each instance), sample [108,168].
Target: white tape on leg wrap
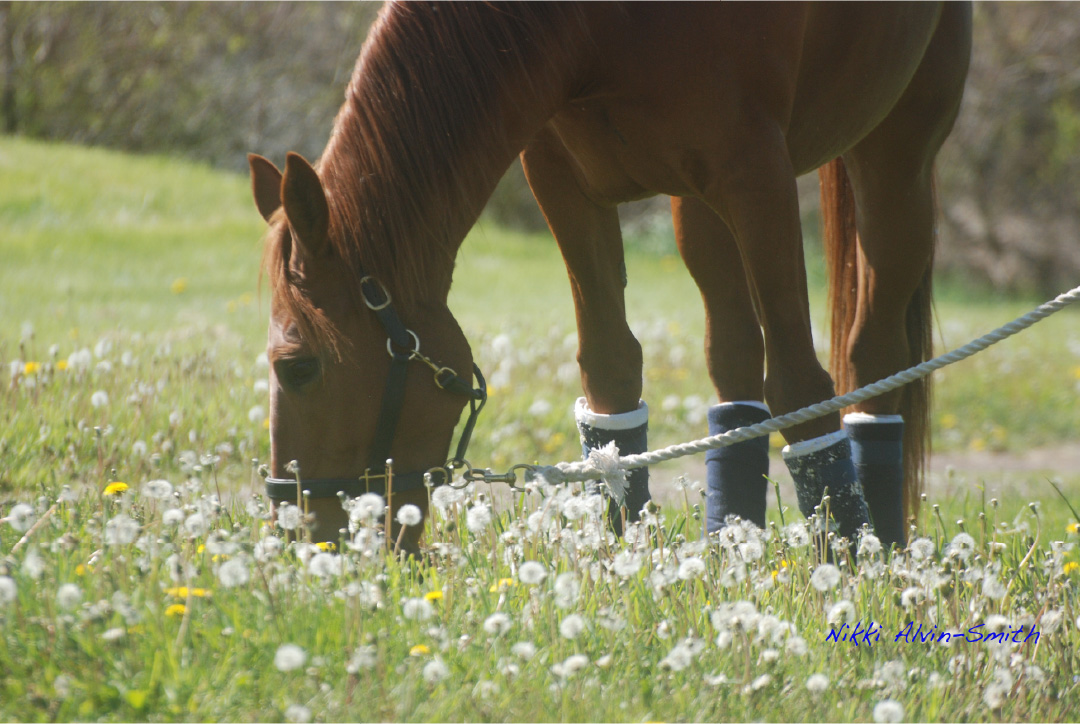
[811,446]
[746,403]
[621,421]
[853,418]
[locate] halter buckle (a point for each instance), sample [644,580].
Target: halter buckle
[375,306]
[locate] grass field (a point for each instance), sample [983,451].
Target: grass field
[131,328]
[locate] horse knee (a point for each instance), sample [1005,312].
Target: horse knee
[611,375]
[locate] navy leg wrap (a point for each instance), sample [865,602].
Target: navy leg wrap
[877,449]
[630,432]
[736,474]
[826,463]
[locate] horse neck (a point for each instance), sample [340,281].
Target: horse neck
[443,98]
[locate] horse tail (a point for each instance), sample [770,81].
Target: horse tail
[841,253]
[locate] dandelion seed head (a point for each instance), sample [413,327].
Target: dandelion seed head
[21,517]
[921,549]
[409,515]
[797,535]
[68,596]
[365,657]
[993,587]
[368,507]
[532,573]
[571,666]
[841,612]
[435,671]
[173,516]
[113,634]
[869,545]
[444,496]
[297,714]
[572,626]
[157,489]
[888,710]
[626,564]
[691,568]
[417,609]
[233,572]
[796,646]
[497,623]
[566,590]
[121,530]
[8,590]
[524,650]
[289,657]
[478,518]
[324,565]
[761,682]
[911,596]
[962,546]
[288,516]
[825,577]
[99,398]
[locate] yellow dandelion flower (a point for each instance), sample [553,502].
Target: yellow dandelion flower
[266,423]
[179,285]
[978,445]
[503,584]
[31,368]
[949,420]
[184,592]
[1071,567]
[419,650]
[115,488]
[177,609]
[1073,528]
[61,365]
[201,548]
[433,595]
[1076,372]
[326,545]
[81,569]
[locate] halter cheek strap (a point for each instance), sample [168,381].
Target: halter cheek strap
[403,345]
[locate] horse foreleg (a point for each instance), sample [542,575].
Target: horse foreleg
[735,355]
[757,198]
[609,356]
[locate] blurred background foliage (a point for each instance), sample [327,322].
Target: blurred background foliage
[212,81]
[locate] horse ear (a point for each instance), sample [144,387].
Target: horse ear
[265,185]
[305,206]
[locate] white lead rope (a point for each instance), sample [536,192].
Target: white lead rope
[607,465]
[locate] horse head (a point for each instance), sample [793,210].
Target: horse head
[351,384]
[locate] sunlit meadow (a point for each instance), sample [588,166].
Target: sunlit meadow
[143,578]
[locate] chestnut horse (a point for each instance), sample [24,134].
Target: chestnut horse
[720,106]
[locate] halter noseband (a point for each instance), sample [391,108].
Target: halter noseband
[403,345]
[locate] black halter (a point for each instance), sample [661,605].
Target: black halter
[403,346]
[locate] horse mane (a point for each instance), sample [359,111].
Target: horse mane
[409,159]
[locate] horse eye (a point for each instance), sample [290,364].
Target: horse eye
[299,372]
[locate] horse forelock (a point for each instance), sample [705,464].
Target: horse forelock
[297,306]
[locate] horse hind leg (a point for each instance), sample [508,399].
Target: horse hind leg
[757,198]
[609,356]
[888,328]
[735,355]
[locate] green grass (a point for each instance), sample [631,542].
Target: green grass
[151,267]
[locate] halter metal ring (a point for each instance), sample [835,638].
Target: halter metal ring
[416,346]
[375,307]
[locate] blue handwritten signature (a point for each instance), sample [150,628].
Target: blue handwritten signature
[870,634]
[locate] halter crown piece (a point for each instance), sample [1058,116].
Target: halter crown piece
[403,345]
